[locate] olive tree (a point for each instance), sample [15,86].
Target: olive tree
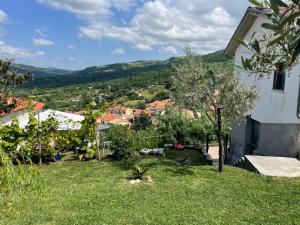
[11,177]
[280,43]
[215,90]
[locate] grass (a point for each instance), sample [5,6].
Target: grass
[99,193]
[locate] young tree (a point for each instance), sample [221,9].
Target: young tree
[142,122]
[10,177]
[280,44]
[40,133]
[9,79]
[88,131]
[214,89]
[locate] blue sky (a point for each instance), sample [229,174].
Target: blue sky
[75,34]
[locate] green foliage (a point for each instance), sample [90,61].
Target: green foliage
[282,42]
[122,138]
[141,105]
[163,95]
[138,172]
[142,122]
[88,131]
[204,88]
[9,79]
[68,140]
[215,90]
[177,128]
[126,142]
[11,137]
[44,133]
[15,179]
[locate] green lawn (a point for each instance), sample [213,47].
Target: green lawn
[98,193]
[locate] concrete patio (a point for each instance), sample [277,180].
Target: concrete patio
[275,166]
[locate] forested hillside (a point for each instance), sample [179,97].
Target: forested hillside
[131,84]
[52,78]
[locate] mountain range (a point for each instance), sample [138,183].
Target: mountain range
[53,78]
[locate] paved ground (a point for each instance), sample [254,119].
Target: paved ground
[214,152]
[275,166]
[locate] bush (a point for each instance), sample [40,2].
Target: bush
[127,142]
[122,142]
[177,128]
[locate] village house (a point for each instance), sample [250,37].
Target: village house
[273,127]
[118,110]
[159,107]
[20,112]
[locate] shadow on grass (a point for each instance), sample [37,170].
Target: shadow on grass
[168,163]
[180,170]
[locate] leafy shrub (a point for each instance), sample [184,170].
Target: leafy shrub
[138,173]
[127,142]
[122,142]
[177,128]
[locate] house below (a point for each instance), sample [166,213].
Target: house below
[159,107]
[20,112]
[273,127]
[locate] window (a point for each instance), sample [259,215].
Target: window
[279,77]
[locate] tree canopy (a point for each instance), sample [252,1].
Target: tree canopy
[281,43]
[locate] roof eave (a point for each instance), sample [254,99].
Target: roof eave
[242,30]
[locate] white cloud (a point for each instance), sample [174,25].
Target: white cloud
[3,16]
[40,32]
[15,52]
[168,50]
[72,59]
[42,42]
[41,53]
[206,25]
[118,51]
[72,47]
[143,47]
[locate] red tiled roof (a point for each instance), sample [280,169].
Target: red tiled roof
[107,118]
[159,104]
[24,104]
[138,112]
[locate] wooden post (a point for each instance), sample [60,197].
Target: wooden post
[219,137]
[39,140]
[98,143]
[207,142]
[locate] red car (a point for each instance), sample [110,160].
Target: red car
[179,146]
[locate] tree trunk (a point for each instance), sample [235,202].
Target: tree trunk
[226,148]
[219,137]
[207,142]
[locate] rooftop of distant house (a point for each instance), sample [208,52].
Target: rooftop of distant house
[107,118]
[118,107]
[138,112]
[22,104]
[160,104]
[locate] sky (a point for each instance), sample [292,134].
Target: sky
[75,34]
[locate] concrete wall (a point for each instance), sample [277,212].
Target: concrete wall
[237,141]
[279,140]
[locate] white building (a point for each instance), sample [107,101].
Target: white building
[66,121]
[20,112]
[273,127]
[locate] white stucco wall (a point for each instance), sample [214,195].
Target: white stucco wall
[21,116]
[274,106]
